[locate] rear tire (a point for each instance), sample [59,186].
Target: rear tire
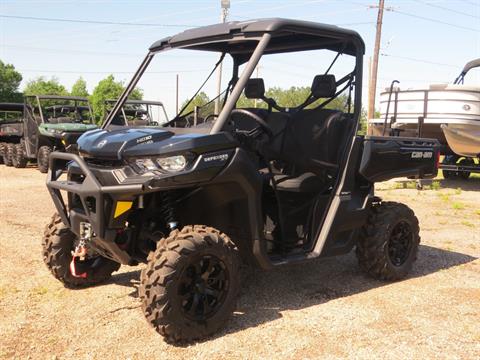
[19,160]
[388,243]
[9,152]
[57,245]
[190,284]
[42,158]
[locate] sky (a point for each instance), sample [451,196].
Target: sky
[423,41]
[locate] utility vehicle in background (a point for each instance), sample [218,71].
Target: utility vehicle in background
[11,132]
[138,113]
[266,187]
[52,123]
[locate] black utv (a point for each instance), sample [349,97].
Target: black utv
[265,186]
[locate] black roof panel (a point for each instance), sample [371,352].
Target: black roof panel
[293,35]
[11,106]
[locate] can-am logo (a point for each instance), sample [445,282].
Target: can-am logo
[220,157]
[101,144]
[422,155]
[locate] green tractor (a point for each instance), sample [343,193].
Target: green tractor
[52,123]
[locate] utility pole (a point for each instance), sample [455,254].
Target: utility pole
[376,53]
[223,17]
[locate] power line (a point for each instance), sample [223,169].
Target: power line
[419,60]
[472,3]
[110,71]
[447,9]
[72,51]
[92,21]
[434,20]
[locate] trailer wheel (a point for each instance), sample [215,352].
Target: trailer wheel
[465,162]
[388,243]
[42,158]
[190,284]
[8,157]
[19,160]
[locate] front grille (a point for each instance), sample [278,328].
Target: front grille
[104,162]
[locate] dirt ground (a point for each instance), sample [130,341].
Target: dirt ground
[325,309]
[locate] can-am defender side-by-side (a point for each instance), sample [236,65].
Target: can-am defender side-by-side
[138,113]
[11,132]
[52,122]
[265,187]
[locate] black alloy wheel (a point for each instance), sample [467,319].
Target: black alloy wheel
[203,287]
[400,243]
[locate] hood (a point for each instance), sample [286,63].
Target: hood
[138,142]
[67,127]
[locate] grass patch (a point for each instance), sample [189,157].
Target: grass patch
[444,197]
[458,191]
[39,290]
[435,185]
[404,185]
[468,223]
[457,205]
[477,212]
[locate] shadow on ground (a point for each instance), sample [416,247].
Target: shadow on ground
[471,184]
[265,295]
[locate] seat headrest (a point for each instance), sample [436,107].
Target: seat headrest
[255,89]
[324,86]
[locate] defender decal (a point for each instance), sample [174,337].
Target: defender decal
[219,157]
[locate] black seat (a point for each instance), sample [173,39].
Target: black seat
[311,146]
[312,143]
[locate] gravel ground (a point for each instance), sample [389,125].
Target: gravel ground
[325,309]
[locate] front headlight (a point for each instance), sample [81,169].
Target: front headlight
[55,131]
[145,165]
[171,164]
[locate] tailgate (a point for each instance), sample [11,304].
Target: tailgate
[388,157]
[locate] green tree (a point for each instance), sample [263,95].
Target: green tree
[79,88]
[199,100]
[9,82]
[108,89]
[292,97]
[42,86]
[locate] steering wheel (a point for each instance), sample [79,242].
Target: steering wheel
[261,122]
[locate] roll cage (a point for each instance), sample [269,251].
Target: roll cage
[246,42]
[41,105]
[134,108]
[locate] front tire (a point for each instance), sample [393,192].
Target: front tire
[9,152]
[19,160]
[42,158]
[190,284]
[2,149]
[388,243]
[57,245]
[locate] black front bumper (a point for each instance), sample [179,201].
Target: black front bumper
[92,195]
